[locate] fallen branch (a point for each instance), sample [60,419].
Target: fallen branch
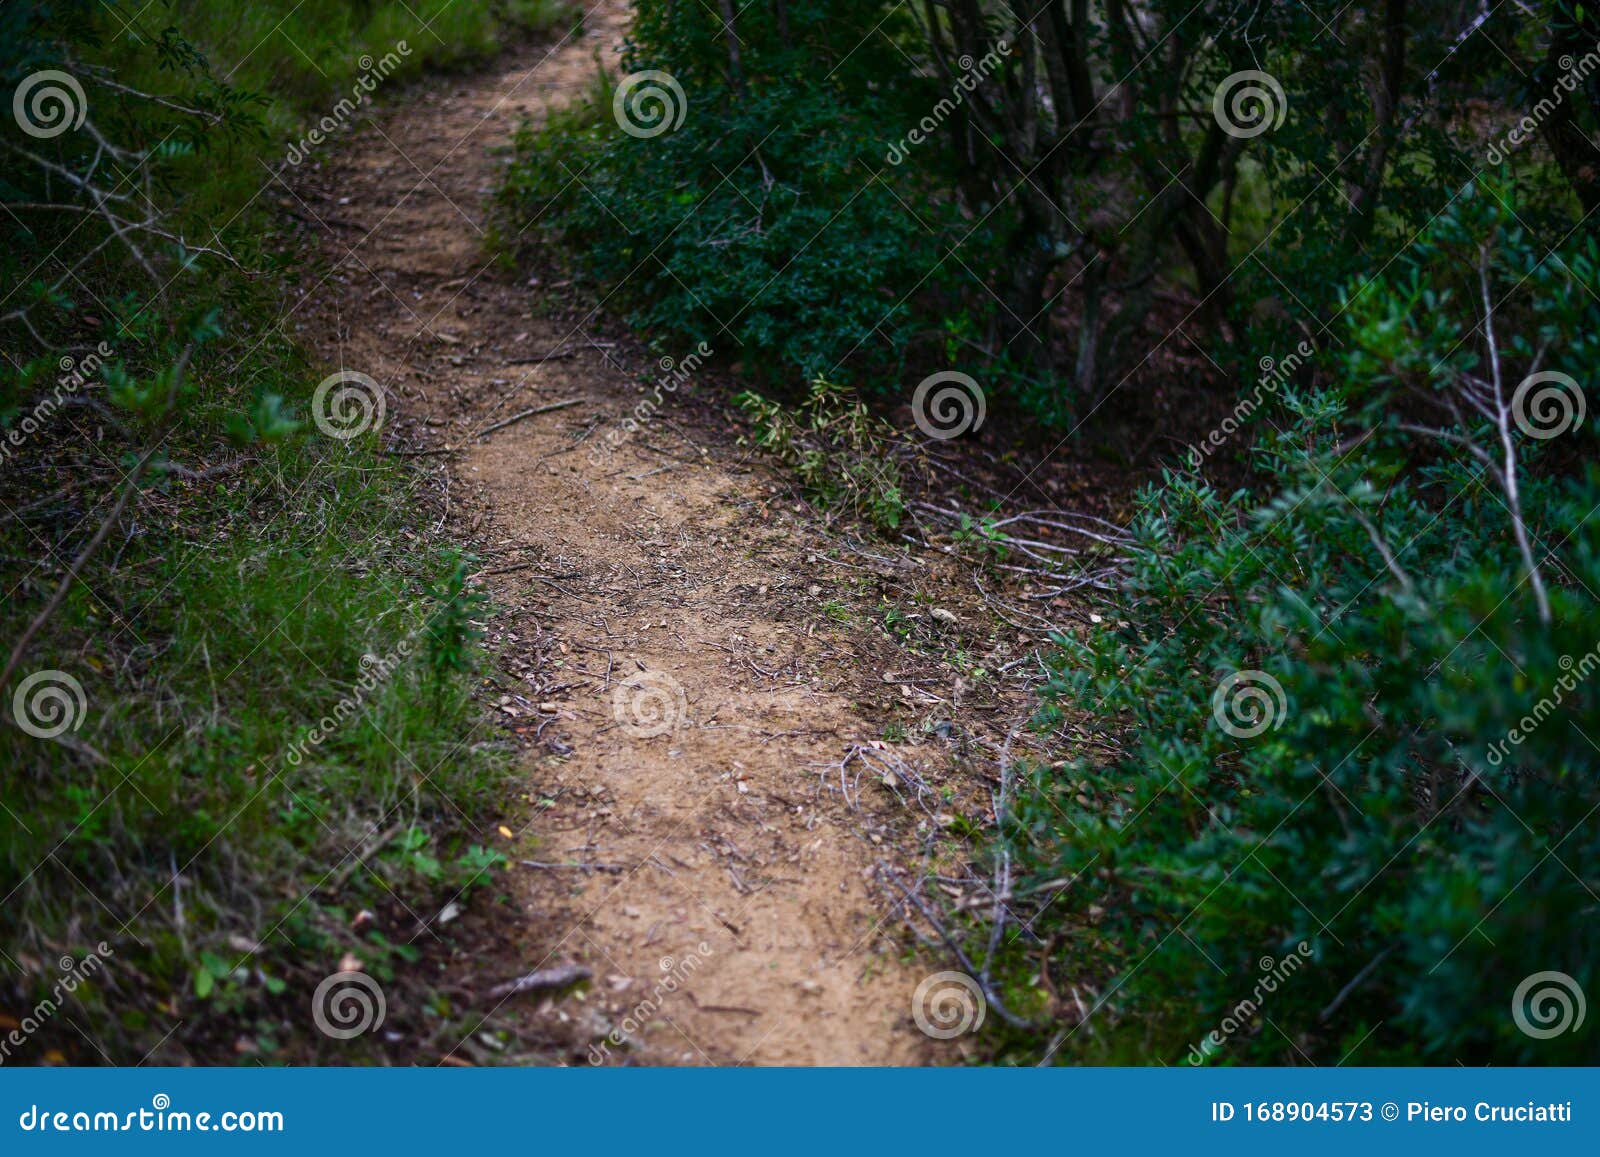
[542,980]
[424,453]
[503,423]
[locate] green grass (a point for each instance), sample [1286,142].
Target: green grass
[227,847]
[305,55]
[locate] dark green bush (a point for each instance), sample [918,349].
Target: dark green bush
[1376,600]
[769,223]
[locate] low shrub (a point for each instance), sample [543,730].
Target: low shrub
[1352,711]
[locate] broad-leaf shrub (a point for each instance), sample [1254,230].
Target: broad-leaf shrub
[770,213]
[1418,803]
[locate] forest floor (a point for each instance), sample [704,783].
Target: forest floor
[835,710]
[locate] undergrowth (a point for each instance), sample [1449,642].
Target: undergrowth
[272,768]
[846,458]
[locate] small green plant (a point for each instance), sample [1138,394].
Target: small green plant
[844,455]
[984,538]
[451,630]
[836,611]
[897,623]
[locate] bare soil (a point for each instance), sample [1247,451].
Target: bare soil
[729,881]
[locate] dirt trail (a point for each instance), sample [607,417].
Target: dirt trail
[731,892]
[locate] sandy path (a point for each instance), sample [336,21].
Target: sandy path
[732,921]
